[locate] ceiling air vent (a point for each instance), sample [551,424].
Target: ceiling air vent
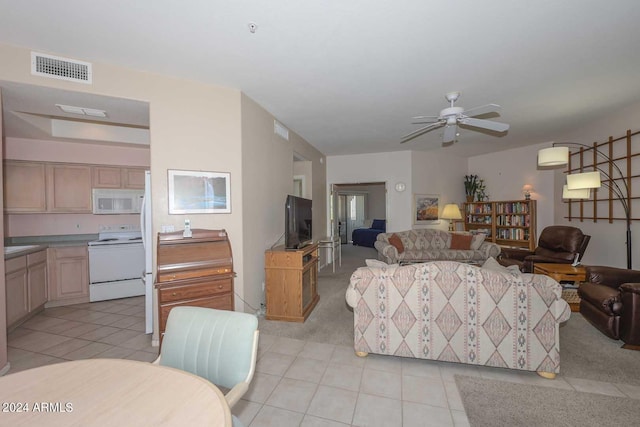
[56,67]
[280,129]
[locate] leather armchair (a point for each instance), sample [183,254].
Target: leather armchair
[558,244]
[610,301]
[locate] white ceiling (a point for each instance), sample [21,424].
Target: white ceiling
[349,75]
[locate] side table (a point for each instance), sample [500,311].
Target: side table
[332,243]
[565,272]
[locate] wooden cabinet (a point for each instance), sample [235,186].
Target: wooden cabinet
[68,188]
[41,187]
[291,282]
[24,187]
[37,279]
[17,290]
[194,271]
[68,274]
[118,177]
[133,178]
[26,286]
[509,223]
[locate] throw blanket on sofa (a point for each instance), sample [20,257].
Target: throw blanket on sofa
[456,312]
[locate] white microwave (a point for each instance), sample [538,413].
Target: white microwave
[112,201]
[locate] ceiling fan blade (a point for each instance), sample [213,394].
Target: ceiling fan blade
[450,133]
[426,117]
[485,124]
[483,109]
[421,131]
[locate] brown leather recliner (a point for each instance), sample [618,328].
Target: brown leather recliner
[557,244]
[610,301]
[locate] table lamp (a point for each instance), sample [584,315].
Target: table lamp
[451,211]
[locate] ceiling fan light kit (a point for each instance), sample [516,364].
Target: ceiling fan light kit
[452,116]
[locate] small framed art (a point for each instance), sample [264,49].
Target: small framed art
[425,209]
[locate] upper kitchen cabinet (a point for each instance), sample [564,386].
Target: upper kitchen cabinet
[24,187]
[118,177]
[68,188]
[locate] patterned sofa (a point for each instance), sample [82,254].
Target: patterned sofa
[428,244]
[456,312]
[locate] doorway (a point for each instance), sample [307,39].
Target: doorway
[356,206]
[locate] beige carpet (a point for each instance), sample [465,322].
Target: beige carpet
[496,403]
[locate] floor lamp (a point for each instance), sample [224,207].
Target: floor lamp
[558,154]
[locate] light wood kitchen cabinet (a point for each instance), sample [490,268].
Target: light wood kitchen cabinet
[107,177]
[26,286]
[16,289]
[68,188]
[133,178]
[68,274]
[37,279]
[118,177]
[24,187]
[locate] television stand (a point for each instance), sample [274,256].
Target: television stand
[291,283]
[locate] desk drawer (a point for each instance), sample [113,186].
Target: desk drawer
[191,289]
[221,302]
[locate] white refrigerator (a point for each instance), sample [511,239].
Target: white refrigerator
[147,242]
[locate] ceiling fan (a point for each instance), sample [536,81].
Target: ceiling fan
[452,116]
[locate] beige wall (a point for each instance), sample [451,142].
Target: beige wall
[389,168]
[3,288]
[193,126]
[267,160]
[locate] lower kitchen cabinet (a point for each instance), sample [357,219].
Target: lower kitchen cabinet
[68,272]
[26,286]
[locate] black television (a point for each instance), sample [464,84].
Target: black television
[297,227]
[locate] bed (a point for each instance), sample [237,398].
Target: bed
[367,236]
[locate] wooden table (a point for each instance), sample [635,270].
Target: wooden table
[110,392]
[560,272]
[565,272]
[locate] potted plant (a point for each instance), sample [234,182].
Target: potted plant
[481,191]
[471,183]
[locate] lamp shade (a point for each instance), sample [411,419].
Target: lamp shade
[577,181]
[553,156]
[451,211]
[583,193]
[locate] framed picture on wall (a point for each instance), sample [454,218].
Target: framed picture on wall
[425,209]
[199,192]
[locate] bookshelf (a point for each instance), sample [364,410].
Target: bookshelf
[510,223]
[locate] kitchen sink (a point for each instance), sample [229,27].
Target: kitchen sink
[14,249]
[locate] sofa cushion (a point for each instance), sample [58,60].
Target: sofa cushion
[477,241]
[493,265]
[395,241]
[375,263]
[461,241]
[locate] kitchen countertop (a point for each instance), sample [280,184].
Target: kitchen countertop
[38,243]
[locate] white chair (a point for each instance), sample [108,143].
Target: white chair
[218,345]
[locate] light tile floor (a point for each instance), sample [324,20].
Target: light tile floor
[297,383]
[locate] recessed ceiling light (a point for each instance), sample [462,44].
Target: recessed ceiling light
[82,110]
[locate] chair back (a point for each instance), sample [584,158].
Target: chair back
[562,242]
[218,345]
